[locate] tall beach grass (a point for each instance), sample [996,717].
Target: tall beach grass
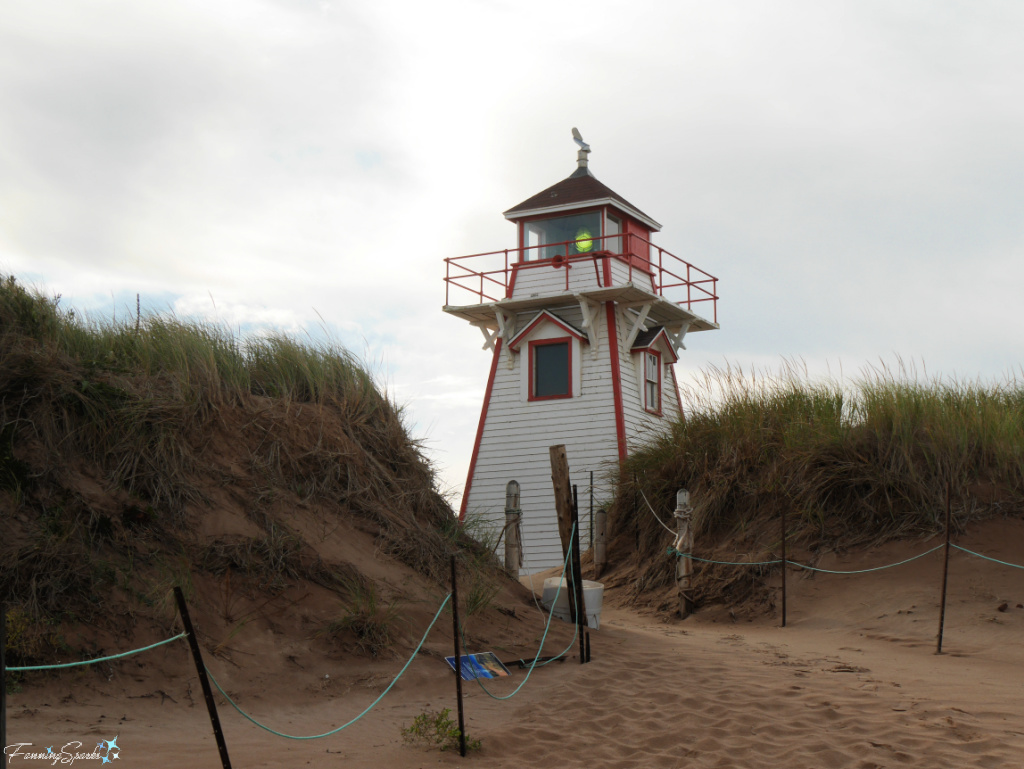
[853,461]
[118,436]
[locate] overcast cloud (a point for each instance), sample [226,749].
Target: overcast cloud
[853,172]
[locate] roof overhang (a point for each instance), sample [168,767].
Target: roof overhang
[628,210]
[662,312]
[661,336]
[545,317]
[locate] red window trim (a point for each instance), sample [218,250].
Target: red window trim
[542,343]
[661,377]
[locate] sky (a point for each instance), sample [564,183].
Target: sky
[852,172]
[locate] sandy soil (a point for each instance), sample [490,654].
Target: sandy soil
[852,681]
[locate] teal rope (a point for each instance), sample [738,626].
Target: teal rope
[368,709]
[799,565]
[673,551]
[865,571]
[98,659]
[988,558]
[551,614]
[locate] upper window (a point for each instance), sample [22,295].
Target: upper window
[652,381]
[562,236]
[550,369]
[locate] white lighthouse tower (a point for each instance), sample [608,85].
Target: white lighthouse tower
[584,318]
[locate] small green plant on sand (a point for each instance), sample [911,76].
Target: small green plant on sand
[368,618]
[437,729]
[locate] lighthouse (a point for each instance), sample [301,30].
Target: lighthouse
[584,318]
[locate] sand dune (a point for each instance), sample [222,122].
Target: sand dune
[853,681]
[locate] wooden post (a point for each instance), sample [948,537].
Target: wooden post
[564,509]
[513,522]
[784,565]
[577,576]
[204,682]
[600,542]
[684,544]
[563,494]
[945,574]
[458,660]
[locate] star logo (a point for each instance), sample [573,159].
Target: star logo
[112,745]
[49,749]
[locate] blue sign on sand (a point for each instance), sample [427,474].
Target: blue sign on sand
[482,665]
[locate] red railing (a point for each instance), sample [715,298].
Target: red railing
[487,276]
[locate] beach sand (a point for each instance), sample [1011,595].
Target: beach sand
[852,681]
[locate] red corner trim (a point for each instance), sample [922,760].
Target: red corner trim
[479,431]
[675,384]
[613,350]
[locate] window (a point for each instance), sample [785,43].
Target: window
[550,369]
[652,381]
[577,234]
[612,227]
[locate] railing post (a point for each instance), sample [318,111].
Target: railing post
[600,542]
[513,530]
[458,660]
[785,563]
[197,657]
[3,673]
[684,544]
[945,574]
[577,576]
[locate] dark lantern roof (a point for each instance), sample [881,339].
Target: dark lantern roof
[580,188]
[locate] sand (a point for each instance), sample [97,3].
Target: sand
[852,681]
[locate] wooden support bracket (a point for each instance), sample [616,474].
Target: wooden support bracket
[489,331]
[676,337]
[590,325]
[639,324]
[506,330]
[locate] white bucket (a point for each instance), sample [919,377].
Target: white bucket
[593,595]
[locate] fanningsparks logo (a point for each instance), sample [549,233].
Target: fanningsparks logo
[105,751]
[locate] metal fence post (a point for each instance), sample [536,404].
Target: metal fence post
[600,542]
[513,530]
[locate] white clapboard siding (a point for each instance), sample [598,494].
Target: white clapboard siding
[517,432]
[514,446]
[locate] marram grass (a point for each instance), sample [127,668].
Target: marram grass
[852,461]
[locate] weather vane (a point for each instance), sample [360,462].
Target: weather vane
[581,156]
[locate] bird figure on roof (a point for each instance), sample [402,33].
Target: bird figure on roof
[579,140]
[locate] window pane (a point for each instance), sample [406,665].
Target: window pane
[582,230]
[652,367]
[551,370]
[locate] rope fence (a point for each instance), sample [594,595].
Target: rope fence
[61,666]
[683,547]
[349,723]
[206,676]
[566,565]
[808,567]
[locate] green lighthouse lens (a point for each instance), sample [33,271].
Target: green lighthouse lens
[584,240]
